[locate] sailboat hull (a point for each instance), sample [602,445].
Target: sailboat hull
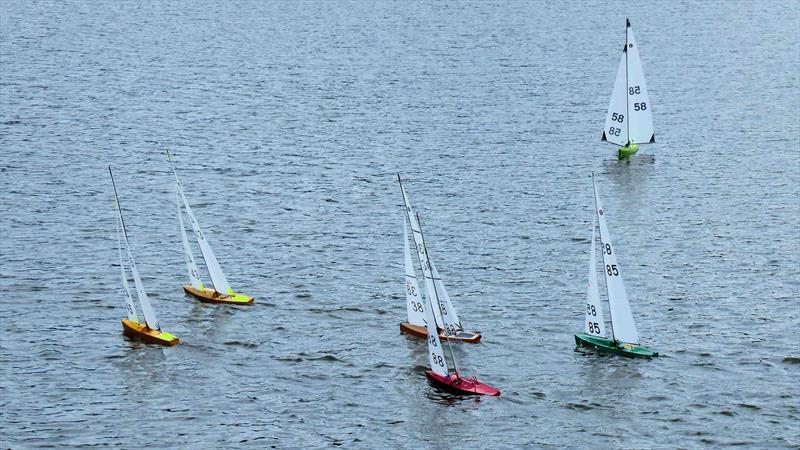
[628,150]
[615,347]
[135,330]
[469,337]
[460,385]
[209,295]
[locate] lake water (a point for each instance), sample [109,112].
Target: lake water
[289,121]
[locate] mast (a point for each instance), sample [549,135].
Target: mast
[608,295]
[436,294]
[627,87]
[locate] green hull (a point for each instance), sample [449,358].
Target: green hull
[616,347]
[628,150]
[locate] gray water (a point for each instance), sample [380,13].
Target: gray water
[288,122]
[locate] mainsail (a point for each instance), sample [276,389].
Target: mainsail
[448,317]
[132,316]
[622,324]
[191,266]
[594,324]
[149,315]
[414,304]
[214,269]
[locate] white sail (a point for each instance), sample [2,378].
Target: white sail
[435,352]
[639,107]
[449,321]
[436,357]
[132,316]
[616,130]
[191,266]
[149,315]
[452,324]
[622,324]
[594,324]
[414,304]
[214,270]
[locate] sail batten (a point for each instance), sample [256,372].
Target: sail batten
[623,326]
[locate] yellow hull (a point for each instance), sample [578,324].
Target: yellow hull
[209,295]
[140,331]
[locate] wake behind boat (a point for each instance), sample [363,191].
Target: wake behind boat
[149,331]
[446,318]
[222,291]
[624,337]
[629,121]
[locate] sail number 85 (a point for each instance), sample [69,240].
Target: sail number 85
[594,328]
[611,270]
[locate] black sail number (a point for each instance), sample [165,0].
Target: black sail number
[617,117]
[611,270]
[437,359]
[594,328]
[613,131]
[590,309]
[640,106]
[412,291]
[633,90]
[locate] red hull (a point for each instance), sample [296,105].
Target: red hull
[460,385]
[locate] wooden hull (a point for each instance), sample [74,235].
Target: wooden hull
[209,295]
[135,330]
[615,347]
[460,385]
[469,337]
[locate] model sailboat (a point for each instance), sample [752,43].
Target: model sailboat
[629,121]
[624,338]
[149,331]
[440,374]
[446,317]
[222,291]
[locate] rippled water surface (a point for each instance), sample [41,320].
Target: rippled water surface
[288,122]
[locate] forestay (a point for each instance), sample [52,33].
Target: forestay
[445,314]
[132,316]
[149,315]
[214,270]
[191,266]
[594,324]
[639,108]
[622,324]
[414,305]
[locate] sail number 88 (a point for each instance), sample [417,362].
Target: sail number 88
[437,359]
